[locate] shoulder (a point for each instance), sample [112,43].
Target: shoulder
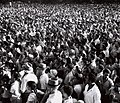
[58,92]
[32,97]
[69,100]
[96,87]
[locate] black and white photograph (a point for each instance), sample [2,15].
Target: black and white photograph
[59,51]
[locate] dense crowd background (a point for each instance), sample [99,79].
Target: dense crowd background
[61,38]
[64,1]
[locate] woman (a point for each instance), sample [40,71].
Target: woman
[32,90]
[32,94]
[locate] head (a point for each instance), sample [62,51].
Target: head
[41,68]
[91,78]
[106,73]
[53,73]
[53,84]
[67,91]
[31,86]
[100,68]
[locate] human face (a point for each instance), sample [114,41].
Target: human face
[106,75]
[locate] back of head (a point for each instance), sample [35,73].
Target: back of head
[92,77]
[32,85]
[68,90]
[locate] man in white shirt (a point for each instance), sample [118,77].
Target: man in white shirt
[28,76]
[92,93]
[44,78]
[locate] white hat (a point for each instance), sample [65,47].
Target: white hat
[53,72]
[80,101]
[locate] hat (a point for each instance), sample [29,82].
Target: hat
[53,72]
[53,82]
[80,101]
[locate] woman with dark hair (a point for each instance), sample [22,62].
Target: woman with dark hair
[32,89]
[32,94]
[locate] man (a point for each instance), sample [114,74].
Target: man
[71,77]
[105,84]
[52,95]
[44,78]
[28,76]
[92,93]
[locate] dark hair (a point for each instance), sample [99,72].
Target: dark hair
[92,77]
[101,67]
[106,71]
[68,90]
[117,80]
[16,75]
[32,85]
[47,70]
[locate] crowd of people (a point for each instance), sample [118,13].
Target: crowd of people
[62,53]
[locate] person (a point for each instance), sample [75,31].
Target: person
[32,90]
[28,76]
[53,73]
[44,78]
[75,79]
[52,95]
[15,89]
[6,89]
[91,93]
[115,92]
[105,83]
[67,94]
[72,77]
[99,70]
[40,69]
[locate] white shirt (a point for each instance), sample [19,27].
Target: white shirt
[26,78]
[32,98]
[55,98]
[15,88]
[44,80]
[68,100]
[92,95]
